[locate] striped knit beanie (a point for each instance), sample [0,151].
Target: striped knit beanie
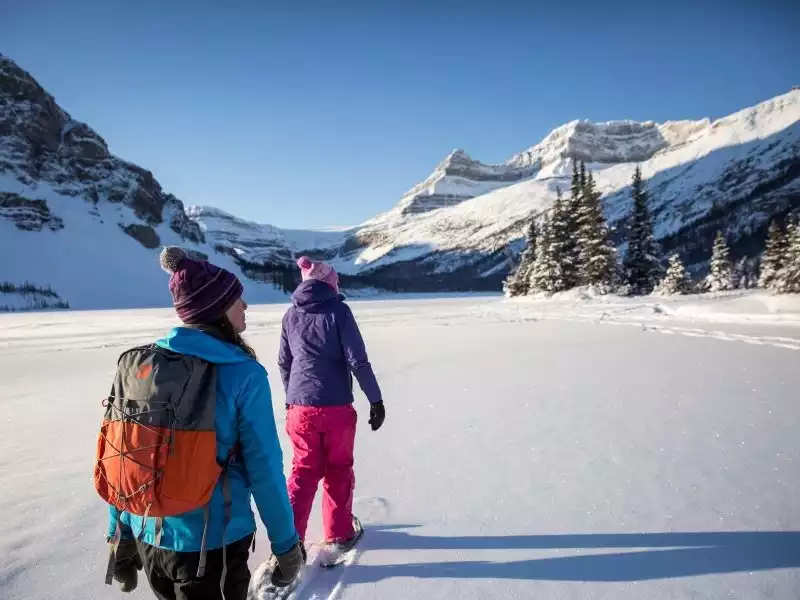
[201,292]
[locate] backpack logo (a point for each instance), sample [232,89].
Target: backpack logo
[144,371]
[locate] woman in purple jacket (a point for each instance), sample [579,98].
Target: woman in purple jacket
[321,347]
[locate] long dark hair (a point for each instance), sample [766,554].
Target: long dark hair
[223,330]
[230,336]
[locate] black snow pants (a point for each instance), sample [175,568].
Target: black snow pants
[173,575]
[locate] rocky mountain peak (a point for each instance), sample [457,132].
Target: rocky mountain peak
[40,143]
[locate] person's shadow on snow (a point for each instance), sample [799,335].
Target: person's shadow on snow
[647,555]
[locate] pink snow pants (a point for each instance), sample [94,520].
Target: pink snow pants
[322,439]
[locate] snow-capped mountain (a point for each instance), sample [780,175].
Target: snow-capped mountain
[41,145]
[733,173]
[611,142]
[86,225]
[256,242]
[458,178]
[79,225]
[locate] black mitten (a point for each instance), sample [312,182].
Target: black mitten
[288,565]
[377,413]
[127,564]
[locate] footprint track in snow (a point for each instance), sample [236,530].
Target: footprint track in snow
[773,341]
[371,509]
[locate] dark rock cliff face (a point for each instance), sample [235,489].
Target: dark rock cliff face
[27,214]
[144,234]
[41,143]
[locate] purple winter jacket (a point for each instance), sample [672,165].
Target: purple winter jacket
[320,347]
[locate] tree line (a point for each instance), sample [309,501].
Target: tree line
[569,245]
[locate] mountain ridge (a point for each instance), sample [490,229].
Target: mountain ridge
[63,194]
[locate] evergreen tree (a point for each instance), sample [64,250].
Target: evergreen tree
[752,271]
[788,278]
[562,229]
[720,271]
[641,263]
[518,281]
[745,274]
[547,274]
[739,275]
[575,186]
[582,175]
[772,259]
[569,219]
[676,281]
[596,254]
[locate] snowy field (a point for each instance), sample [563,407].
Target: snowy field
[600,449]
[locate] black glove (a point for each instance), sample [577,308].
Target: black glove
[377,413]
[288,565]
[127,564]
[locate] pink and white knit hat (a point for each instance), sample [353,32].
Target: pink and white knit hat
[318,270]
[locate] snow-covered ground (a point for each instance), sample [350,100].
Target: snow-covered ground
[533,449]
[733,307]
[91,263]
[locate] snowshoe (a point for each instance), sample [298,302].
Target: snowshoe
[334,554]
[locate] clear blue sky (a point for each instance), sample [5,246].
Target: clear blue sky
[311,114]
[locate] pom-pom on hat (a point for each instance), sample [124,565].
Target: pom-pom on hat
[318,270]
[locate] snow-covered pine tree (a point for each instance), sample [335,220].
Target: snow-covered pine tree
[596,254]
[582,179]
[563,230]
[788,278]
[772,259]
[738,275]
[745,273]
[575,185]
[752,270]
[676,281]
[530,238]
[582,210]
[518,281]
[641,264]
[569,216]
[547,274]
[720,270]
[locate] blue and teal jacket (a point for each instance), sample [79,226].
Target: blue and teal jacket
[243,414]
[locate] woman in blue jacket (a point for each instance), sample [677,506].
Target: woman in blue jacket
[208,301]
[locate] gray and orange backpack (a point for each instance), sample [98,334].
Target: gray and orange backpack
[157,446]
